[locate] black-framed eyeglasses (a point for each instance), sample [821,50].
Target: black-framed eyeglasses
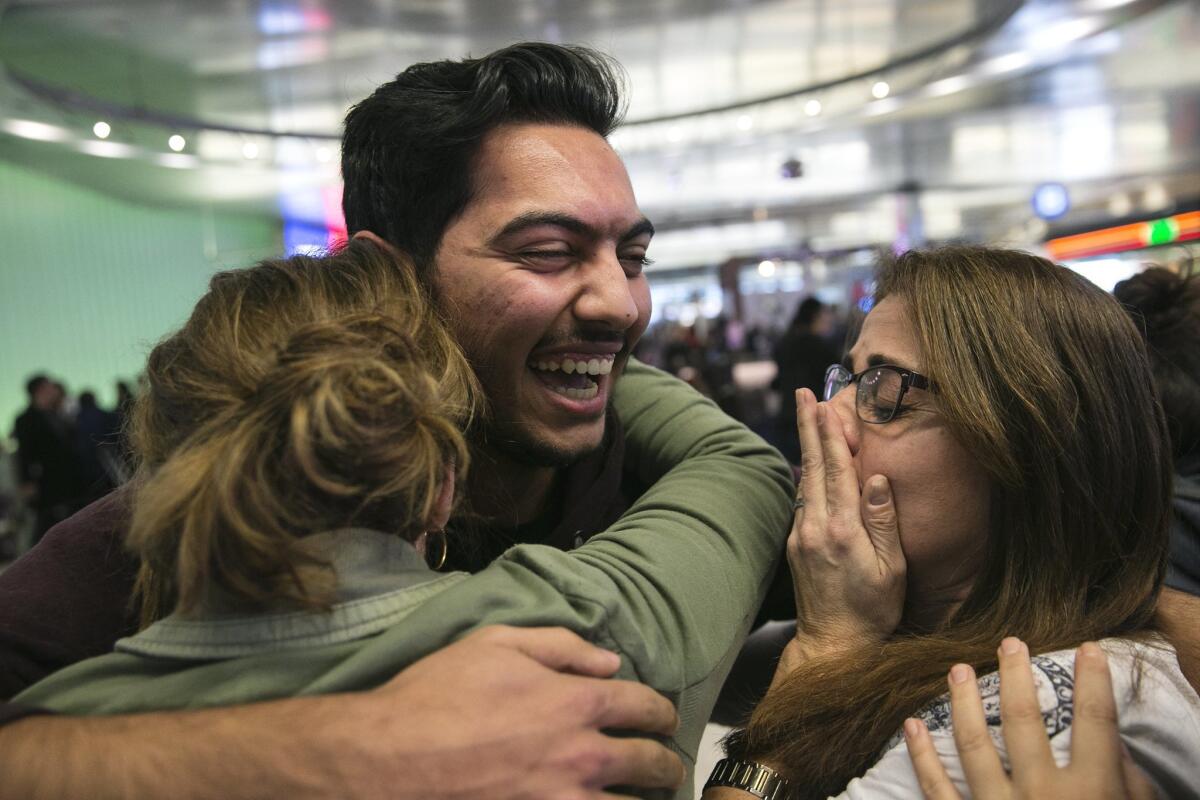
[880,391]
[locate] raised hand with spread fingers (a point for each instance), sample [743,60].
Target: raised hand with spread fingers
[1100,767]
[844,550]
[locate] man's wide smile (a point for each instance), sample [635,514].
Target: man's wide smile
[575,376]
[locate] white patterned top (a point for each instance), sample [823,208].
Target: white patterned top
[1159,723]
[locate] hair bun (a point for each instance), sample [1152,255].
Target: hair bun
[356,406]
[342,351]
[303,395]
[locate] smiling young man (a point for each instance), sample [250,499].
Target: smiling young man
[522,221]
[541,277]
[494,177]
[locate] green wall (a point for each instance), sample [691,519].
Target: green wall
[88,283]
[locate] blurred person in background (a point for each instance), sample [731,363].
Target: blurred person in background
[125,400]
[67,405]
[48,466]
[721,348]
[96,440]
[801,357]
[11,520]
[1166,309]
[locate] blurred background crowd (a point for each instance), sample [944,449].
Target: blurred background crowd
[779,146]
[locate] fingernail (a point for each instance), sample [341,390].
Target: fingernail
[1090,650]
[820,413]
[1010,646]
[961,673]
[877,491]
[912,728]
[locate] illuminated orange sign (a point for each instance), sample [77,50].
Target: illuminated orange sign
[1138,236]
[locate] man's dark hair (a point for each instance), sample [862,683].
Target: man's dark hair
[87,399]
[1166,307]
[34,383]
[407,150]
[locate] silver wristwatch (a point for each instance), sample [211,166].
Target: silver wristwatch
[754,778]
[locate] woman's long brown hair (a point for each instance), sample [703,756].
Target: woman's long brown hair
[1044,380]
[303,395]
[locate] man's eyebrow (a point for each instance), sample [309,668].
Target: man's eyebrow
[533,219]
[639,228]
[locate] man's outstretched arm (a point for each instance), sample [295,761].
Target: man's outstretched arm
[456,724]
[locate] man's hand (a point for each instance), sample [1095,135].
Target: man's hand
[504,713]
[521,714]
[1098,770]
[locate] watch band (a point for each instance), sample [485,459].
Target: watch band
[754,778]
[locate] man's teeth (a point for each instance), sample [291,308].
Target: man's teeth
[578,394]
[595,366]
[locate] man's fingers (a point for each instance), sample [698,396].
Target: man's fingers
[812,460]
[626,705]
[980,762]
[639,763]
[1095,744]
[935,783]
[1021,715]
[556,648]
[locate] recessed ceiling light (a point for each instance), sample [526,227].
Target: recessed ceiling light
[880,90]
[102,129]
[31,129]
[324,154]
[1119,205]
[250,150]
[1155,197]
[812,107]
[745,122]
[177,143]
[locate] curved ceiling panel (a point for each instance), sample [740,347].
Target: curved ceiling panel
[295,66]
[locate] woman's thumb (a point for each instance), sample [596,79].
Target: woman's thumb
[879,517]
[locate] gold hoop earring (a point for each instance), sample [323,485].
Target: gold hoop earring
[443,550]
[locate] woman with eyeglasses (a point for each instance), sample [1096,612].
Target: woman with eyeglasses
[988,463]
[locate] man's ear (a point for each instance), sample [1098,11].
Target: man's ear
[371,236]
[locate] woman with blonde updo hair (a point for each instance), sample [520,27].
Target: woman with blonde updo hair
[302,396]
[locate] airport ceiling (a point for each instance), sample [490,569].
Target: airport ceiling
[808,115]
